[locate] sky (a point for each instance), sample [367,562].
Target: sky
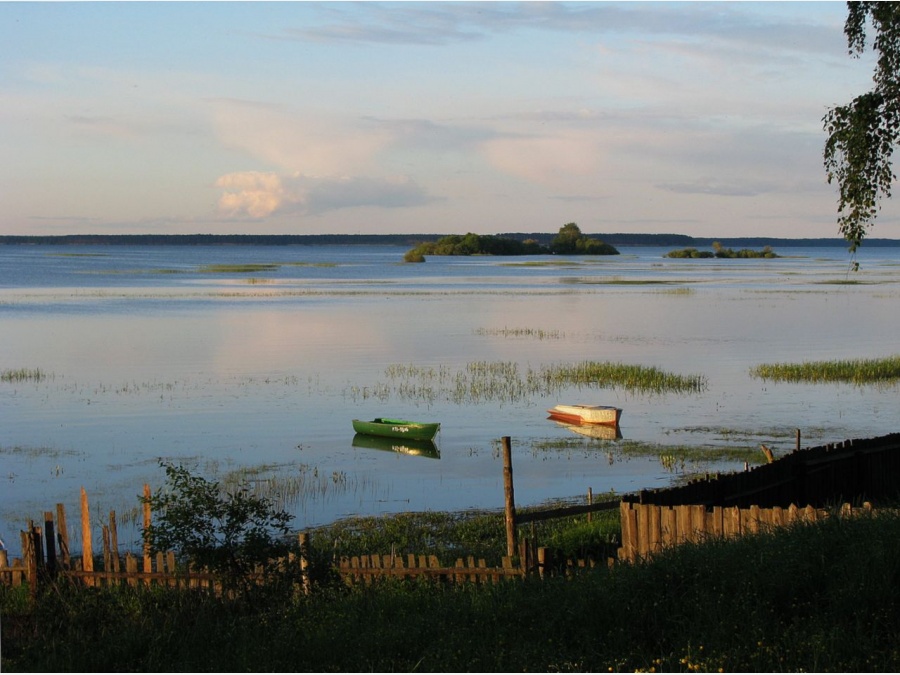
[697,118]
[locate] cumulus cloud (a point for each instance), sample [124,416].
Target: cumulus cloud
[250,193]
[258,195]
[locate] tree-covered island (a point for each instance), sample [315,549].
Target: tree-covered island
[720,251]
[569,241]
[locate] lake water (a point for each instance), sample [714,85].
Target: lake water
[149,353]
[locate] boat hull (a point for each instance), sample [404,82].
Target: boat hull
[391,428]
[586,414]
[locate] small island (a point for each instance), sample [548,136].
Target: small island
[569,241]
[720,251]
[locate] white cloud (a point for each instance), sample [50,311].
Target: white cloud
[259,195]
[250,193]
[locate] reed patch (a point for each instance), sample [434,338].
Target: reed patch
[24,375]
[852,371]
[507,381]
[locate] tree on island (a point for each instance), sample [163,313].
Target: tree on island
[863,133]
[568,241]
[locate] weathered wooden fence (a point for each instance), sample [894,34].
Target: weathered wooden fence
[648,528]
[368,567]
[46,556]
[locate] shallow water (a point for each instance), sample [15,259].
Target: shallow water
[149,354]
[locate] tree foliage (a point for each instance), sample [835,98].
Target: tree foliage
[230,534]
[570,240]
[862,134]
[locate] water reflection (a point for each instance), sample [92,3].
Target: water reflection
[600,431]
[406,446]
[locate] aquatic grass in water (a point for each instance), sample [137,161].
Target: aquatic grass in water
[536,333]
[505,381]
[673,458]
[243,268]
[633,378]
[854,371]
[23,375]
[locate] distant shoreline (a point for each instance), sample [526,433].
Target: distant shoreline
[615,239]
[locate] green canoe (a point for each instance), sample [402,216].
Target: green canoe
[391,428]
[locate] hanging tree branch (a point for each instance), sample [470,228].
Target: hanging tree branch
[863,133]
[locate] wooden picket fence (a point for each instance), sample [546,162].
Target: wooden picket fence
[650,528]
[365,568]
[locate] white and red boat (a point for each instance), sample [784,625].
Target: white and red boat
[586,414]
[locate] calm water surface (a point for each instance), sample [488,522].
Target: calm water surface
[149,353]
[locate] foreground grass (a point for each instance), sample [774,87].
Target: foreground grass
[820,597]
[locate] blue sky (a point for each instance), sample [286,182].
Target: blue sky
[699,118]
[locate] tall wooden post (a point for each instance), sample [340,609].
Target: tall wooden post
[590,500]
[509,498]
[797,444]
[87,553]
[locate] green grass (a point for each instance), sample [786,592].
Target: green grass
[818,597]
[854,371]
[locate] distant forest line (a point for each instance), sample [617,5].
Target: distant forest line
[544,238]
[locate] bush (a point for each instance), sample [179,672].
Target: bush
[233,535]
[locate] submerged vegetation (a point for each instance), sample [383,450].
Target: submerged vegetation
[853,371]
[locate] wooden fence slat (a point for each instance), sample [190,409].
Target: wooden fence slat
[107,556]
[114,541]
[62,534]
[87,554]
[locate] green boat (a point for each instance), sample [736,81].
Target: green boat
[391,428]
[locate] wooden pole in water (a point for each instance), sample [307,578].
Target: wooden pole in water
[509,498]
